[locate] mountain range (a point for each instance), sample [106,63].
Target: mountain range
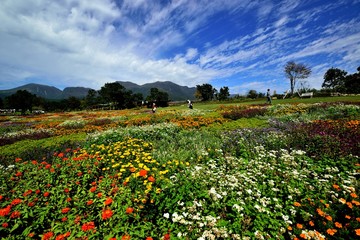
[176,92]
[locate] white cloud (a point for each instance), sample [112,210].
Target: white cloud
[89,43]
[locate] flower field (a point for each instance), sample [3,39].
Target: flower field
[234,171]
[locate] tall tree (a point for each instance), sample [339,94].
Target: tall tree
[21,100]
[224,93]
[159,97]
[334,79]
[252,94]
[91,98]
[295,71]
[352,82]
[115,93]
[205,92]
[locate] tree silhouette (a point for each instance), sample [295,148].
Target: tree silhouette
[295,71]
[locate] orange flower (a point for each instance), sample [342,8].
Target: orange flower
[92,189]
[297,204]
[15,214]
[358,219]
[299,226]
[65,210]
[129,210]
[353,195]
[328,217]
[15,202]
[336,186]
[338,225]
[151,179]
[149,238]
[320,212]
[349,204]
[355,202]
[132,169]
[347,217]
[88,226]
[47,236]
[311,223]
[5,211]
[108,201]
[106,214]
[126,237]
[303,235]
[142,173]
[357,232]
[331,231]
[289,228]
[99,194]
[89,202]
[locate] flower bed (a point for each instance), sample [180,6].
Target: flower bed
[176,175]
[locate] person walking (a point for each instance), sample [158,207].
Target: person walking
[268,96]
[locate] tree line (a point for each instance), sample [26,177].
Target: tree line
[110,96]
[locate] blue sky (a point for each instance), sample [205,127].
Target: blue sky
[241,44]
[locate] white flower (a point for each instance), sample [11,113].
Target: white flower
[166,215]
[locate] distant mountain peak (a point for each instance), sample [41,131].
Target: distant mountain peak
[176,92]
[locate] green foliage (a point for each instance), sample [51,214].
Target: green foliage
[205,92]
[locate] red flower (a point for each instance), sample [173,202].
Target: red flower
[47,236]
[93,189]
[126,237]
[64,219]
[62,236]
[5,225]
[18,159]
[149,238]
[18,174]
[31,204]
[65,210]
[38,191]
[68,199]
[15,202]
[151,179]
[89,202]
[46,194]
[28,192]
[61,155]
[142,173]
[30,235]
[106,214]
[15,214]
[99,194]
[129,210]
[77,219]
[167,236]
[88,226]
[108,201]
